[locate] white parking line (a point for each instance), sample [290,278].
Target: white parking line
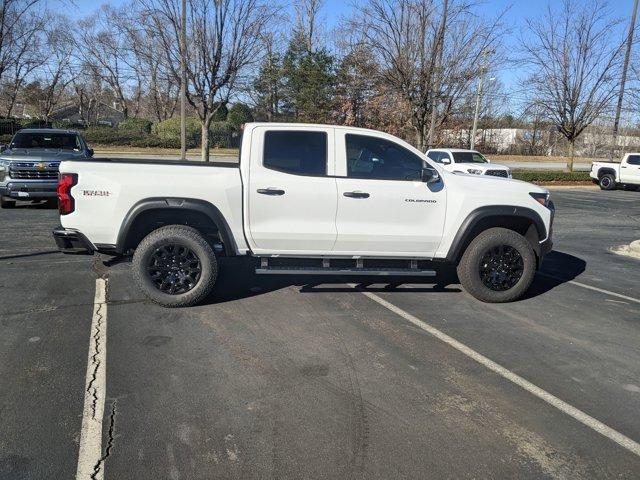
[90,455]
[564,407]
[589,287]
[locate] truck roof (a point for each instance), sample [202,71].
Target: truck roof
[453,150]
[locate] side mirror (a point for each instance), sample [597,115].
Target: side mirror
[90,152]
[446,161]
[430,175]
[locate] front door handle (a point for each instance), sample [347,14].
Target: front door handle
[271,191]
[356,194]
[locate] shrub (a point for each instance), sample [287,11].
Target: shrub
[135,125]
[68,125]
[220,134]
[239,113]
[153,141]
[170,130]
[5,139]
[546,176]
[108,136]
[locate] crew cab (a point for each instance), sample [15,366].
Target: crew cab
[305,199]
[467,161]
[29,166]
[610,175]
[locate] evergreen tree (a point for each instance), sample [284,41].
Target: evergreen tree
[309,82]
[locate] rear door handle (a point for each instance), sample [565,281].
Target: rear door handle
[356,194]
[271,191]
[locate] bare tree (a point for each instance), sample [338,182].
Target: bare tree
[223,39]
[104,46]
[56,69]
[574,60]
[307,20]
[405,37]
[15,29]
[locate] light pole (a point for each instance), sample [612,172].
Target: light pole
[623,80]
[483,68]
[183,82]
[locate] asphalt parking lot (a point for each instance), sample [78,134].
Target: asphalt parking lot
[291,378]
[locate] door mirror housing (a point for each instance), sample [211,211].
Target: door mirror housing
[430,175]
[446,161]
[90,152]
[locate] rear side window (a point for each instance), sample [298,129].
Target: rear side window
[298,153]
[633,160]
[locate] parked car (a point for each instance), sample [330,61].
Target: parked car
[467,161]
[305,199]
[610,175]
[29,164]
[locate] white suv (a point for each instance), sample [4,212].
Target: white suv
[467,161]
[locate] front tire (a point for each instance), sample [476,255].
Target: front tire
[175,266]
[498,266]
[607,182]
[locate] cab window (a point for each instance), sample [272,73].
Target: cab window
[296,152]
[377,158]
[633,160]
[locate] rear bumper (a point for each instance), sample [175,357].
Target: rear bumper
[29,190]
[72,241]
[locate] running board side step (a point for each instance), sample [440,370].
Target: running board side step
[380,272]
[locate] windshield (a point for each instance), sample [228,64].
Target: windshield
[468,157]
[52,140]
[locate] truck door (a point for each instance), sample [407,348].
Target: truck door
[630,170]
[292,197]
[384,208]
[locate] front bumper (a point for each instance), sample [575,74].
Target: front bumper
[28,190]
[72,241]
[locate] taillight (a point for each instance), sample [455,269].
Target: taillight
[66,203]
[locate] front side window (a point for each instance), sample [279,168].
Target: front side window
[468,157]
[377,158]
[435,156]
[50,140]
[633,160]
[295,152]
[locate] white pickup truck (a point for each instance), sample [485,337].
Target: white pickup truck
[467,161]
[305,199]
[610,175]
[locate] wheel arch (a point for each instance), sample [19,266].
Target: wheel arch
[522,220]
[150,214]
[603,171]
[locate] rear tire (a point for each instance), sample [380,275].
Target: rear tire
[4,203]
[498,266]
[175,266]
[607,182]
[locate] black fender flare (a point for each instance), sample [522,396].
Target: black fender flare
[175,203]
[463,236]
[602,171]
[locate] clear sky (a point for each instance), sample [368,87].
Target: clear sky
[517,11]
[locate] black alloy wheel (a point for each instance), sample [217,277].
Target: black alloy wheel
[501,267]
[174,269]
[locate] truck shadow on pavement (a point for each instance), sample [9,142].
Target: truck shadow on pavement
[237,280]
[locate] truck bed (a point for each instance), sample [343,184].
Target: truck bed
[159,161]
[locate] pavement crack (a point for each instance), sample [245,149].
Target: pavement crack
[93,391]
[110,437]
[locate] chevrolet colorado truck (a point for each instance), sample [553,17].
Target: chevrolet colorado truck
[467,161]
[610,175]
[305,199]
[29,166]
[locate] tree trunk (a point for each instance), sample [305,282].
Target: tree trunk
[204,144]
[572,145]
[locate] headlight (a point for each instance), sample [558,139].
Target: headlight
[474,171]
[3,171]
[541,198]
